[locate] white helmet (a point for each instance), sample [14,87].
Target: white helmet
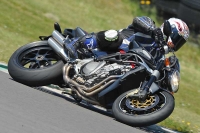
[180,33]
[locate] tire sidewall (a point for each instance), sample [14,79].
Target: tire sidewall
[34,77]
[144,120]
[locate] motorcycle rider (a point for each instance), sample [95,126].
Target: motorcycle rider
[143,30]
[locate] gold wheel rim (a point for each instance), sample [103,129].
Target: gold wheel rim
[148,102]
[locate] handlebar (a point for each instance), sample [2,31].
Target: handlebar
[163,46]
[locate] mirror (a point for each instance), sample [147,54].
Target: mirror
[167,28]
[57,27]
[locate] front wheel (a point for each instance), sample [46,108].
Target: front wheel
[156,108]
[36,64]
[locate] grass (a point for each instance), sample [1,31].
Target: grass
[187,112]
[23,21]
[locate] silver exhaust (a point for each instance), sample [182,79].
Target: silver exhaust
[58,49]
[58,37]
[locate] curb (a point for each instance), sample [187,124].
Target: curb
[3,67]
[53,90]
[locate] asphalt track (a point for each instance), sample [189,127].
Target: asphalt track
[27,110]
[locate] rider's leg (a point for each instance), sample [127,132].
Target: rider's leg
[87,42]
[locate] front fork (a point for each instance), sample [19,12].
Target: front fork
[144,90]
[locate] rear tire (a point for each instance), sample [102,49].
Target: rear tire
[36,64]
[155,110]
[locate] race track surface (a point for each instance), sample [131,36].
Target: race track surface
[27,110]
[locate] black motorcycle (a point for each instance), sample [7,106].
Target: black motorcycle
[136,87]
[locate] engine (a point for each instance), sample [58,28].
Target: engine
[94,72]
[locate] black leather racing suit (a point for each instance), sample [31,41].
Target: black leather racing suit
[142,27]
[143,30]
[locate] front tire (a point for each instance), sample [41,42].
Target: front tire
[35,64]
[155,109]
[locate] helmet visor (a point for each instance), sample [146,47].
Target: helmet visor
[177,39]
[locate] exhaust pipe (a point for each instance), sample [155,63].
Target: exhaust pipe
[58,37]
[83,90]
[58,49]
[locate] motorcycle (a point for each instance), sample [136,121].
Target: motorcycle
[136,87]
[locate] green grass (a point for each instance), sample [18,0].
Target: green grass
[187,111]
[23,21]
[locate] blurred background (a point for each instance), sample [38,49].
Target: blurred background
[23,21]
[187,10]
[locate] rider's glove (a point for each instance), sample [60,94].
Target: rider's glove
[157,35]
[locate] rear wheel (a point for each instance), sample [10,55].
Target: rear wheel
[156,108]
[35,64]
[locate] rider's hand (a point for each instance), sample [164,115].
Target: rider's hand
[157,35]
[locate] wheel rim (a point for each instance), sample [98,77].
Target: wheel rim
[133,107]
[38,57]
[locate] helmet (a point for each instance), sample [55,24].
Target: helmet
[180,33]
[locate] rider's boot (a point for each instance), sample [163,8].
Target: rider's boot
[72,47]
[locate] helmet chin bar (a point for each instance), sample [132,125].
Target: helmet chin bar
[170,43]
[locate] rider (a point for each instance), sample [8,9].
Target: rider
[144,31]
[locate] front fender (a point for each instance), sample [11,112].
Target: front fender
[154,88]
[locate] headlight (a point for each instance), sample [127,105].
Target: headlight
[174,79]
